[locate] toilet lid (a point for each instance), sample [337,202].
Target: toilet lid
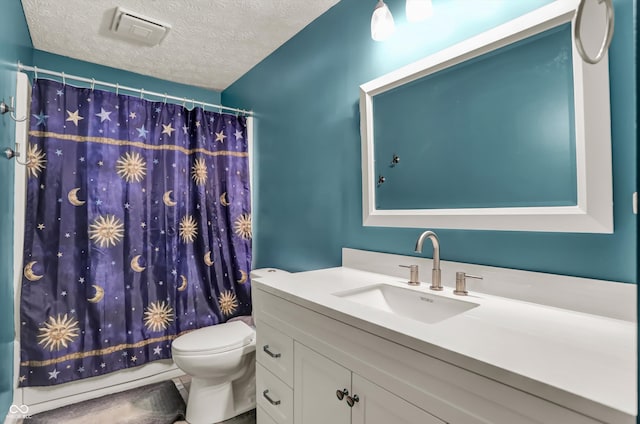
[214,339]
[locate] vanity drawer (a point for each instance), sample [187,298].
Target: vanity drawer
[274,351]
[273,396]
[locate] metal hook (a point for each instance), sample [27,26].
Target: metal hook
[12,154]
[608,36]
[4,108]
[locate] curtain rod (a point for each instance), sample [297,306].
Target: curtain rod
[141,91]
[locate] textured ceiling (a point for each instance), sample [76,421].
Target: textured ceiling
[211,43]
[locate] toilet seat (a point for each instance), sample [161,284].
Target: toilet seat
[214,339]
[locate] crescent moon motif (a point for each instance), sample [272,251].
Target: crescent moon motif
[207,258]
[73,197]
[29,274]
[183,286]
[243,277]
[223,199]
[166,198]
[99,294]
[135,265]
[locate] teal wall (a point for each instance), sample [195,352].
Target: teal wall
[67,65]
[307,174]
[15,45]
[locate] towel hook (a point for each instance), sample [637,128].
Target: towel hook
[4,108]
[608,36]
[12,154]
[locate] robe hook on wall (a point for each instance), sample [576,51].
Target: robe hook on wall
[4,108]
[9,153]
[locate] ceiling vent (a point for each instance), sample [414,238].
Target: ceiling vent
[138,29]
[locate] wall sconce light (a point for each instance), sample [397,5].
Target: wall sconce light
[418,10]
[382,25]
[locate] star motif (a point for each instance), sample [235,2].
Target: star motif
[81,369]
[238,135]
[133,115]
[81,159]
[59,254]
[134,358]
[22,378]
[63,293]
[98,202]
[104,115]
[198,124]
[185,129]
[125,354]
[143,224]
[158,110]
[220,136]
[53,375]
[142,132]
[41,118]
[157,350]
[67,235]
[102,365]
[167,129]
[40,226]
[81,280]
[59,92]
[157,249]
[100,163]
[127,205]
[174,272]
[58,152]
[74,117]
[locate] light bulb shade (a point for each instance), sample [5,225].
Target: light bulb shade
[382,25]
[419,10]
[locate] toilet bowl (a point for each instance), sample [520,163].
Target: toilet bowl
[221,362]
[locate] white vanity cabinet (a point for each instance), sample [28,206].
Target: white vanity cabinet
[306,354]
[319,381]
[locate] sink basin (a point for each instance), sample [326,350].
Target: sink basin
[408,303]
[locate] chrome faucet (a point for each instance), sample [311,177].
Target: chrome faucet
[436,283]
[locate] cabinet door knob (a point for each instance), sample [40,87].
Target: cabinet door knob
[340,394]
[267,397]
[352,400]
[268,352]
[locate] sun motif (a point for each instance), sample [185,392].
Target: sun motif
[243,226]
[131,167]
[58,331]
[106,231]
[158,316]
[228,302]
[188,229]
[35,160]
[199,172]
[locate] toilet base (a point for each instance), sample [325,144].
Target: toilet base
[209,403]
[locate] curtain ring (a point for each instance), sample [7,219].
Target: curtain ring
[203,106]
[64,79]
[193,104]
[117,88]
[608,36]
[35,71]
[93,83]
[142,93]
[165,98]
[184,102]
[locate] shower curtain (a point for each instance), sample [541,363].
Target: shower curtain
[137,230]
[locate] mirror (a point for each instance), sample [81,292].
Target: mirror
[508,130]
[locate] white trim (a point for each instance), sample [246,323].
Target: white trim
[594,210]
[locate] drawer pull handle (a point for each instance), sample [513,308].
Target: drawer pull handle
[352,400]
[340,394]
[271,401]
[268,352]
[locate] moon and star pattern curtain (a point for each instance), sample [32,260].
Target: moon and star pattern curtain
[137,230]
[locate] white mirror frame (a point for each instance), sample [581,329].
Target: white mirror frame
[594,210]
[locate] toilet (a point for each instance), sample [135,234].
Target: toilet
[221,362]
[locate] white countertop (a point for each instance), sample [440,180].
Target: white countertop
[547,351]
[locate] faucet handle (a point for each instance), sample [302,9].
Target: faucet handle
[414,280]
[461,283]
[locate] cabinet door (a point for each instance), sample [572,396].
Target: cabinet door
[316,380]
[378,406]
